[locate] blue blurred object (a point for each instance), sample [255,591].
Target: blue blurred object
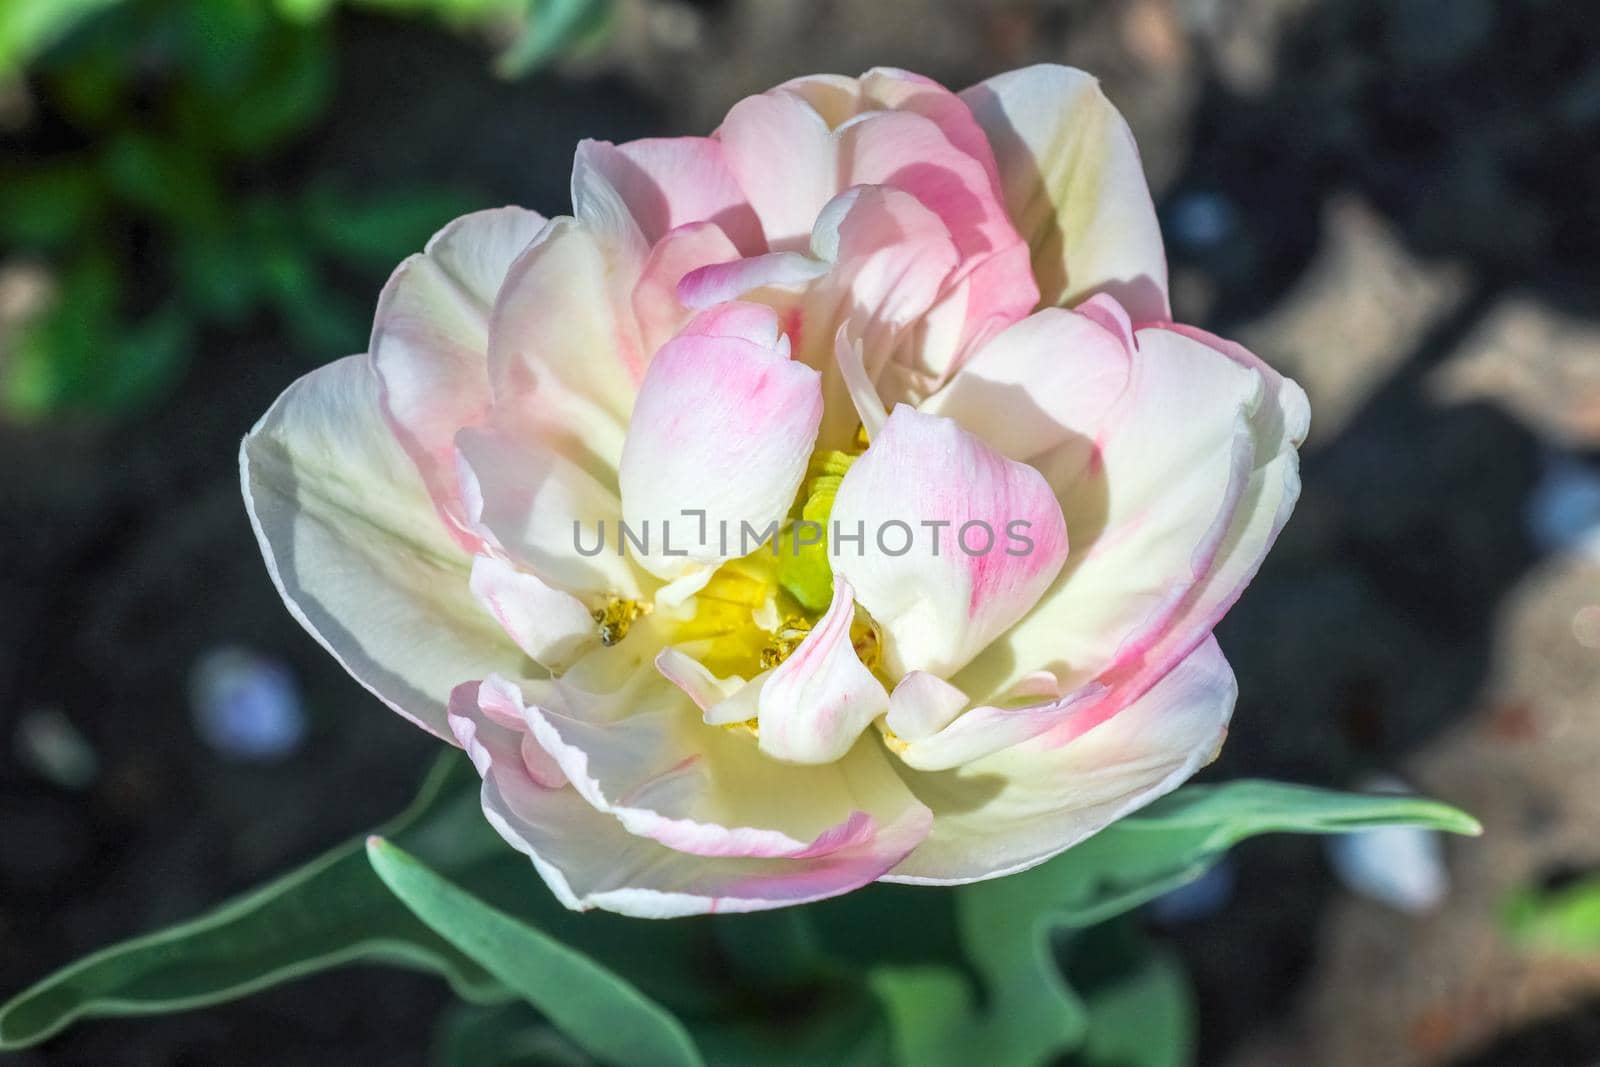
[1200,899]
[1202,219]
[246,705]
[1564,508]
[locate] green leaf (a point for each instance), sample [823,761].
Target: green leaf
[329,912]
[1176,839]
[1008,925]
[1135,997]
[502,1035]
[27,27]
[1564,918]
[597,1009]
[552,28]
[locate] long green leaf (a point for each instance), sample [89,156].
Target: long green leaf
[593,1006]
[332,911]
[1007,925]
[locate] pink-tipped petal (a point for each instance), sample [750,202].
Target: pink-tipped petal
[819,701]
[1150,486]
[720,437]
[1020,806]
[957,542]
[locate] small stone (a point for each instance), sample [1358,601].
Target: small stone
[246,705]
[1399,866]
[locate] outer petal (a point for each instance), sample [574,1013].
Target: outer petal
[667,776]
[1268,497]
[1023,805]
[431,335]
[590,861]
[816,703]
[960,585]
[1150,487]
[355,547]
[1074,187]
[983,731]
[724,424]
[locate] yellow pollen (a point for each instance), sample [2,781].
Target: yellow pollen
[790,633]
[867,640]
[616,617]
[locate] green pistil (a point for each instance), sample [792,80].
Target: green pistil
[804,570]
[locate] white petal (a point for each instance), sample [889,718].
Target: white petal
[1074,187]
[922,704]
[357,550]
[545,512]
[665,775]
[430,339]
[1042,384]
[564,355]
[552,627]
[1149,485]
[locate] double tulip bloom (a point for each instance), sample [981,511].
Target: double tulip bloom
[827,500]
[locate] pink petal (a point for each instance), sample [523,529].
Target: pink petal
[656,303]
[957,587]
[674,181]
[720,437]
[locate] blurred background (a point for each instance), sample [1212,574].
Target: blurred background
[1392,200]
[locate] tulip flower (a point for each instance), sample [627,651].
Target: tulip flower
[828,500]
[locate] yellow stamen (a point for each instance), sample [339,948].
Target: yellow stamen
[790,633]
[616,617]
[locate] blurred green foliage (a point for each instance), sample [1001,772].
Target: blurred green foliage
[1563,918]
[153,210]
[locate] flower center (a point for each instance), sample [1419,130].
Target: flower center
[616,617]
